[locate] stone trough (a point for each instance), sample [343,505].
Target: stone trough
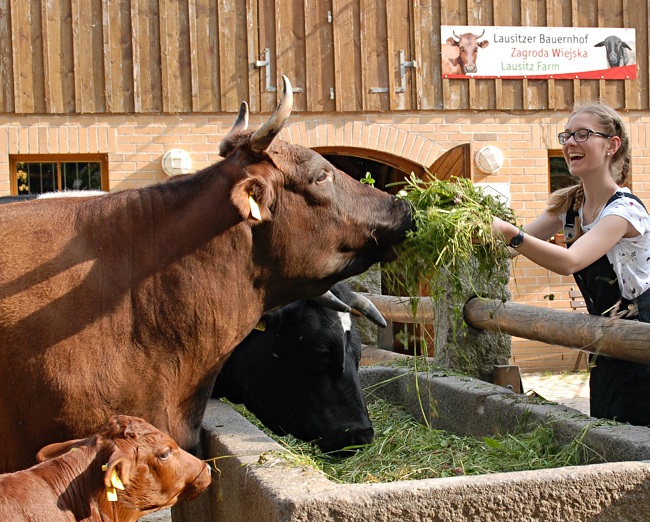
[253,486]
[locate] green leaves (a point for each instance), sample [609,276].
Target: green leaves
[368,179]
[453,225]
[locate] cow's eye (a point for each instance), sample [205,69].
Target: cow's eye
[165,454]
[322,177]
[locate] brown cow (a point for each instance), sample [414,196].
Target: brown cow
[459,53]
[131,302]
[126,470]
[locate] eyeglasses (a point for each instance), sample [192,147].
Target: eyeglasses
[580,135]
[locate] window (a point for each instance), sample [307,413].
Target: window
[38,174]
[560,177]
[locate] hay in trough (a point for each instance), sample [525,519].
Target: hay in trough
[404,449]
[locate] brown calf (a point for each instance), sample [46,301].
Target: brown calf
[126,470]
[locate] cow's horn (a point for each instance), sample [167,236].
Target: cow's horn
[479,36]
[241,124]
[262,137]
[365,307]
[454,33]
[329,300]
[356,301]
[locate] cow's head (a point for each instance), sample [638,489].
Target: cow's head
[299,375]
[310,222]
[468,46]
[615,48]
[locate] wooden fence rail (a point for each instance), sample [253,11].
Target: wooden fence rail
[619,338]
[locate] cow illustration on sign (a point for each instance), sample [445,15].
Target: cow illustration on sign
[459,53]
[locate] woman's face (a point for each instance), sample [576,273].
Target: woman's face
[588,156]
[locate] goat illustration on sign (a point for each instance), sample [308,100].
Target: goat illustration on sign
[617,55]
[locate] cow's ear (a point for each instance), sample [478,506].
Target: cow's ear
[119,468]
[253,198]
[58,448]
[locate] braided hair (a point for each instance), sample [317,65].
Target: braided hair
[611,123]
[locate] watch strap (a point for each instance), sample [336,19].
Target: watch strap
[518,240]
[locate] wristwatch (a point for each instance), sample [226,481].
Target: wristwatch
[518,240]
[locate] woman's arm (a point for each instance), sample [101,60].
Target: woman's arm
[565,261]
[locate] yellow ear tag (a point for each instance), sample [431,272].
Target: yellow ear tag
[116,481]
[255,209]
[261,326]
[111,494]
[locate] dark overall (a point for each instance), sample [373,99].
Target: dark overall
[619,390]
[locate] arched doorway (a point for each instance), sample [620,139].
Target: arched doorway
[388,171]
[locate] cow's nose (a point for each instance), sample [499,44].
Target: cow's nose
[364,436]
[354,439]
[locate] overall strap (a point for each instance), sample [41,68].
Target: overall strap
[597,282]
[618,195]
[572,214]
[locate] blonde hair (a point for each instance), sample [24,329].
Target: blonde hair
[610,121]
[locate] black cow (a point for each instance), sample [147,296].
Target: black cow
[615,47]
[299,375]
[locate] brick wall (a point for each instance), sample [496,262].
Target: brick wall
[135,146]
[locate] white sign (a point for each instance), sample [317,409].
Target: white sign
[500,191]
[564,53]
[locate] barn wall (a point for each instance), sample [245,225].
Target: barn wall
[197,56]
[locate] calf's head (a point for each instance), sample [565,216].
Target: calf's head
[142,468]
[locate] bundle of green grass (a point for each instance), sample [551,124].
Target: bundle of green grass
[453,228]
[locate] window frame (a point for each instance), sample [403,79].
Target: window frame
[553,153]
[557,153]
[14,159]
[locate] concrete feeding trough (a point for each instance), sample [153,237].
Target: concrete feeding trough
[254,485]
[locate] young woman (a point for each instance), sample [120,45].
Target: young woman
[607,230]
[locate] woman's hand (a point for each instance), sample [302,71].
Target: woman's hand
[504,229]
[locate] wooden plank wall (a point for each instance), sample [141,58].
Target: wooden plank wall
[197,56]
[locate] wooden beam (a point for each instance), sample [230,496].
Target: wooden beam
[108,44]
[619,338]
[135,45]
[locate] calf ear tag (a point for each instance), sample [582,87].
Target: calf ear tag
[116,483]
[255,209]
[111,494]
